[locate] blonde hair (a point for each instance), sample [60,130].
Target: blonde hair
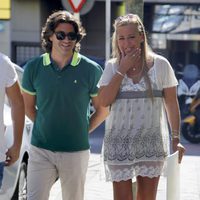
[145,49]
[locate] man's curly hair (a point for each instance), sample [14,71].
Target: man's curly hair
[53,21]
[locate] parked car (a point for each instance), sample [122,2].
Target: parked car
[15,176]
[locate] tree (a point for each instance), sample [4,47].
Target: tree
[135,7]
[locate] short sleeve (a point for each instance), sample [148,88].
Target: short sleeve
[11,75]
[165,73]
[27,79]
[94,79]
[108,73]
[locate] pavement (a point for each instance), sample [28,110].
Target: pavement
[97,189]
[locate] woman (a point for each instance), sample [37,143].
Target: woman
[140,87]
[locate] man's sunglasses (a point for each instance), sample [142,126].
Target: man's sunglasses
[60,35]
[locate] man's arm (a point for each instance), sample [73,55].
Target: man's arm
[99,115]
[30,105]
[18,114]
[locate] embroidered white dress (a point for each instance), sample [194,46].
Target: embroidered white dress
[136,138]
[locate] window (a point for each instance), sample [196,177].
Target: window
[176,19]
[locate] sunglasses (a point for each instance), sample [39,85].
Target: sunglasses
[60,35]
[125,17]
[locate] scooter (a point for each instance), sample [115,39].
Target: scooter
[191,125]
[188,86]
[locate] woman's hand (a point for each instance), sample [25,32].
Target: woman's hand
[177,146]
[129,60]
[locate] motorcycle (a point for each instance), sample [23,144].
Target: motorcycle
[191,123]
[188,87]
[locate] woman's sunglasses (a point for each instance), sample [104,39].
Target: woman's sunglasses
[60,35]
[125,17]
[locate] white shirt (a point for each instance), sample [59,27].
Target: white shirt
[8,77]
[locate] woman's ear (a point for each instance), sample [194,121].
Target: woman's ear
[142,38]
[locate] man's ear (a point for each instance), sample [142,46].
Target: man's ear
[79,37]
[50,38]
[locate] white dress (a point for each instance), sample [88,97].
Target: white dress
[136,138]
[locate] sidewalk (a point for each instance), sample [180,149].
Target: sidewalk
[100,190]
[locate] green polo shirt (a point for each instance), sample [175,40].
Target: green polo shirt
[62,100]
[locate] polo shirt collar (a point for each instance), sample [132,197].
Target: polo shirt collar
[74,62]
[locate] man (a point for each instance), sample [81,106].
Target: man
[9,86]
[57,88]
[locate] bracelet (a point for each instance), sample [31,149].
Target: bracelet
[118,72]
[175,131]
[175,134]
[175,137]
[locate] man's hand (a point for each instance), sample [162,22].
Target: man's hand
[12,155]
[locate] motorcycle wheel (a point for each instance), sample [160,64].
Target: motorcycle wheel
[21,189]
[190,133]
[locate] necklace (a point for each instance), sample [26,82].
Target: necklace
[137,74]
[134,75]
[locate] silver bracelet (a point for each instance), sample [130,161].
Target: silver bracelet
[175,134]
[175,137]
[118,72]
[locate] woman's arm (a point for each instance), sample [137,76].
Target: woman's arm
[108,93]
[173,114]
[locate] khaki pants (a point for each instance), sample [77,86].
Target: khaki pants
[46,166]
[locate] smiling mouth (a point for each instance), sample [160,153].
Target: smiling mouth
[66,45]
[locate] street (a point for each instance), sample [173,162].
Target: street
[96,188]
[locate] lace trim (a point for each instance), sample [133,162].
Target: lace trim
[146,145]
[130,173]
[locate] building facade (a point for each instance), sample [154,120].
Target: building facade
[173,28]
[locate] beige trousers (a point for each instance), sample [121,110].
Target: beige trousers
[45,167]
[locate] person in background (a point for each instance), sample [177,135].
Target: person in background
[195,107]
[9,87]
[57,88]
[140,88]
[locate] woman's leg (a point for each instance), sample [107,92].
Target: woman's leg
[123,190]
[147,188]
